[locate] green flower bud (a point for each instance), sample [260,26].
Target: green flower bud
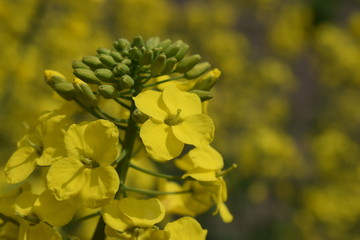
[86,75]
[65,90]
[84,93]
[152,42]
[107,60]
[138,116]
[147,57]
[208,80]
[204,95]
[103,51]
[121,45]
[92,61]
[107,91]
[165,43]
[187,63]
[121,69]
[138,41]
[79,64]
[171,50]
[53,77]
[125,82]
[157,51]
[116,55]
[126,61]
[169,65]
[183,49]
[104,74]
[198,70]
[158,64]
[135,53]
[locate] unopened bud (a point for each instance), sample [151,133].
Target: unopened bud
[126,82]
[146,58]
[152,42]
[121,69]
[104,74]
[107,91]
[198,70]
[138,116]
[121,44]
[79,64]
[208,80]
[138,41]
[92,61]
[169,65]
[158,64]
[116,55]
[53,77]
[203,95]
[135,53]
[65,90]
[171,50]
[86,75]
[187,63]
[107,60]
[84,93]
[103,51]
[165,43]
[183,49]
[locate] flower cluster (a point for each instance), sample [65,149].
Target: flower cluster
[149,100]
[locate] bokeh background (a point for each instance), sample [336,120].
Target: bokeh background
[287,106]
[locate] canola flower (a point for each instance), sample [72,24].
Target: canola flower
[85,164]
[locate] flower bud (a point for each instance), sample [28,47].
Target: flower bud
[169,65]
[126,61]
[79,64]
[187,63]
[135,53]
[171,50]
[138,116]
[107,91]
[104,74]
[92,62]
[107,60]
[165,43]
[158,64]
[125,82]
[207,81]
[198,70]
[53,77]
[116,55]
[121,44]
[203,95]
[121,69]
[138,42]
[147,57]
[152,42]
[86,75]
[84,93]
[103,51]
[183,49]
[65,90]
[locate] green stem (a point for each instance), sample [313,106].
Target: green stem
[170,177]
[155,193]
[99,233]
[109,117]
[122,104]
[163,81]
[76,221]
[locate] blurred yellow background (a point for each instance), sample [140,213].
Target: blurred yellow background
[286,109]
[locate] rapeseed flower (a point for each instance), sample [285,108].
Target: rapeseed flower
[86,172]
[185,228]
[175,119]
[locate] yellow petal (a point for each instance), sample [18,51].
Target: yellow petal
[185,228]
[101,137]
[40,231]
[174,99]
[143,213]
[66,178]
[74,140]
[24,203]
[100,186]
[160,141]
[151,103]
[197,130]
[56,213]
[225,214]
[114,218]
[201,174]
[21,164]
[206,157]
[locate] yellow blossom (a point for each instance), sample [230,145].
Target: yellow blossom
[175,119]
[41,147]
[87,172]
[185,228]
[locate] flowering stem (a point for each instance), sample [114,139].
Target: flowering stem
[171,177]
[155,193]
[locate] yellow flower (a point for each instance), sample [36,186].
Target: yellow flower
[131,218]
[201,163]
[41,147]
[29,231]
[86,171]
[175,120]
[185,228]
